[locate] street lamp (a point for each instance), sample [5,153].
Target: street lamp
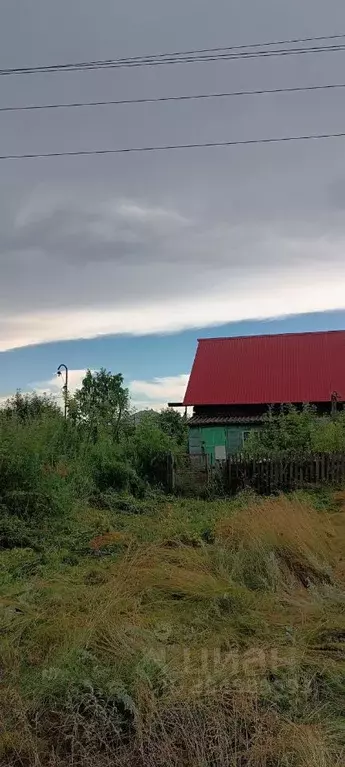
[65,386]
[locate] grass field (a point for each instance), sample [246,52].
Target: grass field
[176,633]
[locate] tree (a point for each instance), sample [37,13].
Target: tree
[174,424]
[102,402]
[149,446]
[26,407]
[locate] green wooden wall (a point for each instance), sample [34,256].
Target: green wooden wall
[208,438]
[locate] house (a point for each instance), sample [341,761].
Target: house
[234,381]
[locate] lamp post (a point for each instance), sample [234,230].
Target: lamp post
[65,386]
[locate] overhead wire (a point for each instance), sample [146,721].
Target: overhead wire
[172,147]
[197,51]
[205,55]
[159,99]
[237,52]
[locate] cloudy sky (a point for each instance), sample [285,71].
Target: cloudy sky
[125,260]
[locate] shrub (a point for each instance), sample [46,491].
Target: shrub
[18,470]
[294,432]
[27,503]
[115,474]
[114,502]
[14,532]
[149,448]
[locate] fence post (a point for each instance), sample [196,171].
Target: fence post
[228,461]
[323,473]
[316,470]
[170,473]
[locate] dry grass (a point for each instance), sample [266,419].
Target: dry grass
[301,540]
[229,727]
[193,654]
[281,522]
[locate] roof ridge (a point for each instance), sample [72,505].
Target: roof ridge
[271,335]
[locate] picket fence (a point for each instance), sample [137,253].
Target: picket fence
[194,474]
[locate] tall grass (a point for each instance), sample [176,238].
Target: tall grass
[277,541]
[141,640]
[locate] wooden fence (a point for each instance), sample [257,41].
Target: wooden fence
[195,474]
[272,475]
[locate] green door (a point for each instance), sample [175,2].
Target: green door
[213,441]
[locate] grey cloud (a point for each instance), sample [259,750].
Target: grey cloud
[139,229]
[82,231]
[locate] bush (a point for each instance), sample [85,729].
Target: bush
[298,432]
[48,464]
[14,532]
[18,470]
[149,448]
[113,502]
[27,503]
[30,489]
[118,475]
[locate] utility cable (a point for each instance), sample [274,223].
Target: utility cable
[159,99]
[172,147]
[221,54]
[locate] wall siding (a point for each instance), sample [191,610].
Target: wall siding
[195,440]
[235,439]
[206,438]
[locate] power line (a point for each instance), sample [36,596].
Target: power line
[171,147]
[163,59]
[291,41]
[159,99]
[205,58]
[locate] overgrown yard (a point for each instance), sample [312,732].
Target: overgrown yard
[138,630]
[162,633]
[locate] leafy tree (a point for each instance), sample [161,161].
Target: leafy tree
[102,403]
[26,407]
[174,424]
[149,446]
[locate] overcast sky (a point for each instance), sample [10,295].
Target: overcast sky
[161,242]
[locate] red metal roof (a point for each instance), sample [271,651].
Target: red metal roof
[295,367]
